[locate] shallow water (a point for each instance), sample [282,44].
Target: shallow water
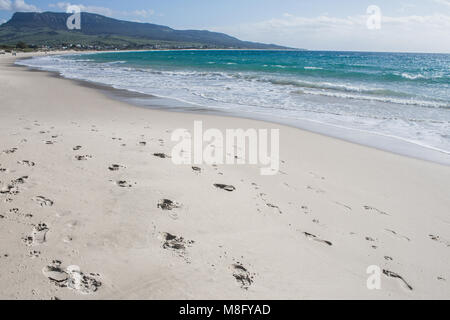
[393,101]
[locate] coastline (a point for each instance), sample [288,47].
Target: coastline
[368,203]
[383,141]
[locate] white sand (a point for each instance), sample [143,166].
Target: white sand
[376,208]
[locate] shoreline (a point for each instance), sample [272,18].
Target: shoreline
[309,232]
[382,142]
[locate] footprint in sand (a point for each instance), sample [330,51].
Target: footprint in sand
[115,167]
[38,235]
[10,151]
[169,205]
[268,204]
[16,212]
[313,237]
[316,176]
[166,204]
[67,239]
[9,189]
[439,239]
[175,243]
[369,208]
[12,188]
[370,239]
[161,155]
[42,201]
[391,274]
[72,278]
[343,205]
[306,210]
[274,207]
[225,187]
[255,186]
[80,282]
[197,169]
[83,158]
[123,184]
[76,148]
[26,163]
[397,235]
[318,191]
[242,276]
[20,180]
[34,254]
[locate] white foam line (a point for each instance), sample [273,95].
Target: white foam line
[23,62]
[378,134]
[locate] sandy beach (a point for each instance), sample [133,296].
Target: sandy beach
[85,210]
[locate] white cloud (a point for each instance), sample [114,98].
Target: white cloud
[444,2]
[17,5]
[92,9]
[406,7]
[20,5]
[403,33]
[5,5]
[2,21]
[141,14]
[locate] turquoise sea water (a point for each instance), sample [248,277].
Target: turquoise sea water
[379,99]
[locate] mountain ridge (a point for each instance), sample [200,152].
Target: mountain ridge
[50,27]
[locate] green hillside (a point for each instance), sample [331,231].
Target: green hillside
[49,29]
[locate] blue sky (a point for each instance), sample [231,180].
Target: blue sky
[410,25]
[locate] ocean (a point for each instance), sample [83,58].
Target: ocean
[398,102]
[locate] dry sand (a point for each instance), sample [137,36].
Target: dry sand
[69,231]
